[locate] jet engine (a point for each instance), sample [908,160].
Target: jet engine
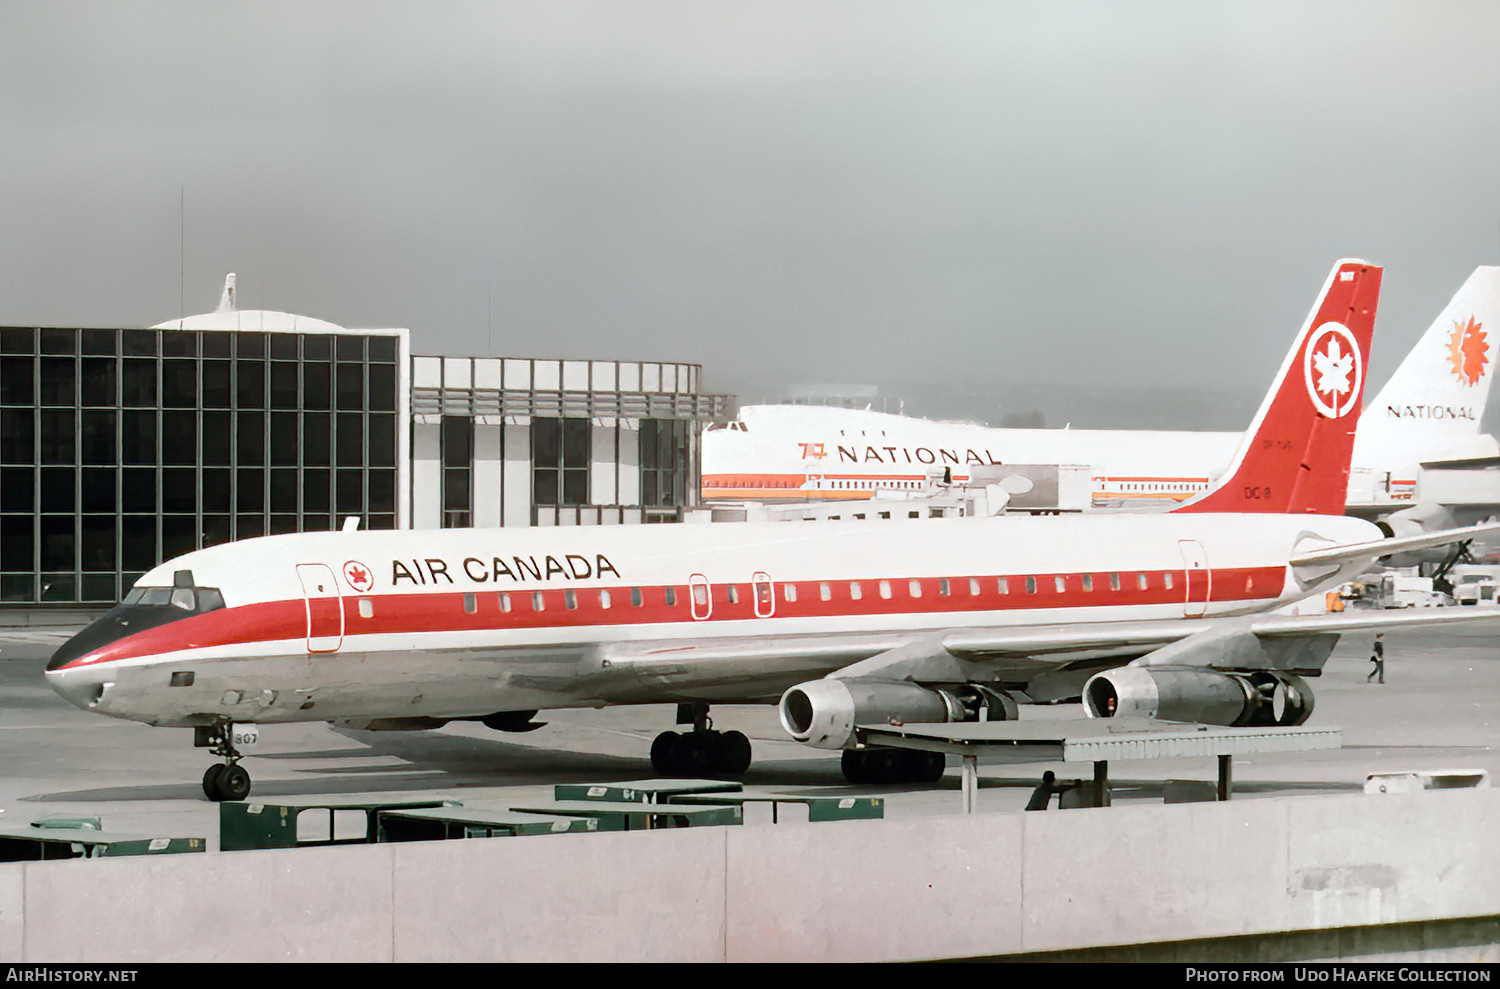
[1418,520]
[1258,697]
[823,713]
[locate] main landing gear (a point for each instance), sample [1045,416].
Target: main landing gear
[892,766]
[701,751]
[227,780]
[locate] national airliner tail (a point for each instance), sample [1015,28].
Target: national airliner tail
[1295,456]
[1431,407]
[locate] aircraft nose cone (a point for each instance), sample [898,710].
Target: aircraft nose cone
[80,687]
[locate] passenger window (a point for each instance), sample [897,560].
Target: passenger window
[505,603]
[671,596]
[943,587]
[1141,579]
[733,594]
[1030,585]
[855,591]
[537,604]
[914,588]
[700,595]
[1114,582]
[1088,582]
[825,592]
[604,599]
[789,591]
[635,597]
[1166,581]
[366,608]
[570,600]
[973,588]
[471,604]
[885,589]
[1002,585]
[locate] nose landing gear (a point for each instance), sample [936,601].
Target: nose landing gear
[227,780]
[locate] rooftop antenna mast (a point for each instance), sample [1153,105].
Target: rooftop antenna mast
[181,253]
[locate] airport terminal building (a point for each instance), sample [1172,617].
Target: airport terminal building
[124,447]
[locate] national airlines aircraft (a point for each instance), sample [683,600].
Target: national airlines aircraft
[935,620]
[1428,411]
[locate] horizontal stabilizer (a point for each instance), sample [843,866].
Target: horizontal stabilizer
[1279,626]
[1334,555]
[1462,463]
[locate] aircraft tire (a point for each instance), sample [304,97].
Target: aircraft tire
[931,767]
[696,752]
[853,764]
[888,765]
[734,753]
[211,781]
[662,752]
[234,783]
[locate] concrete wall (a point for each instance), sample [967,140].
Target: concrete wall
[985,885]
[426,476]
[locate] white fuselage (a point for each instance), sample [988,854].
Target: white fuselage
[810,453]
[454,623]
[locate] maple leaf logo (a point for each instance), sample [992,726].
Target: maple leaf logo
[358,575]
[1468,351]
[1333,370]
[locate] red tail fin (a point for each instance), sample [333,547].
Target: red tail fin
[1295,456]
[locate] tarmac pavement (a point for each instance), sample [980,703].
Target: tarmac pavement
[1436,710]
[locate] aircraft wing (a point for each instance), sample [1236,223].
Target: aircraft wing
[1049,662]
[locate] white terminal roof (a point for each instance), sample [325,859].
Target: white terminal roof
[266,320]
[227,317]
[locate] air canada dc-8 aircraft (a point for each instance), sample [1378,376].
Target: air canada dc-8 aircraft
[1429,410]
[1160,615]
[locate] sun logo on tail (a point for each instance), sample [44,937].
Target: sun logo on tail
[1468,351]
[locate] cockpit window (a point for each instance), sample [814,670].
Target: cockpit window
[194,600]
[143,608]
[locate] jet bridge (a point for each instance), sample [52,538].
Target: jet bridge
[1095,741]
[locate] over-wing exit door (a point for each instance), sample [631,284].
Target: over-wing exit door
[1199,579]
[325,607]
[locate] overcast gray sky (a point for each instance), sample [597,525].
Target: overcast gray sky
[1091,194]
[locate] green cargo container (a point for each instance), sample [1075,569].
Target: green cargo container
[439,823]
[819,807]
[46,844]
[642,791]
[308,822]
[627,815]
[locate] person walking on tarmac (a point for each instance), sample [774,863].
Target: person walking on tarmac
[1377,657]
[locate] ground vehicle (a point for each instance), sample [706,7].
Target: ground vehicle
[1397,590]
[1474,588]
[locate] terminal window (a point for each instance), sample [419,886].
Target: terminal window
[664,462]
[560,455]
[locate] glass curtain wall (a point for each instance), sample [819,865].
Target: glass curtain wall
[123,448]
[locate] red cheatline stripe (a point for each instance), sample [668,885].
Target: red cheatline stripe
[447,611]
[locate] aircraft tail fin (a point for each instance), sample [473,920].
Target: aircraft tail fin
[226,301]
[1431,407]
[1295,456]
